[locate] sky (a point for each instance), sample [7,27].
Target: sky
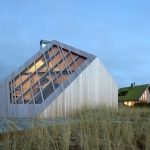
[116,31]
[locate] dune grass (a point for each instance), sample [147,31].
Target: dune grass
[98,129]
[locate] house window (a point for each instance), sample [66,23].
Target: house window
[123,93]
[43,76]
[129,103]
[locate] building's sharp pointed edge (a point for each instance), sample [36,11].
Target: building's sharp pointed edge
[59,90]
[33,110]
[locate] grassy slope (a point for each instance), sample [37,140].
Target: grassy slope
[102,128]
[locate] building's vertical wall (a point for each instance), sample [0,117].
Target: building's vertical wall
[93,87]
[148,94]
[4,98]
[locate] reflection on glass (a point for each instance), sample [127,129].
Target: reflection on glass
[32,68]
[27,96]
[36,88]
[53,62]
[31,102]
[47,90]
[38,99]
[44,81]
[55,49]
[26,85]
[64,52]
[72,67]
[79,61]
[56,69]
[42,70]
[18,91]
[69,59]
[56,83]
[24,75]
[50,64]
[58,57]
[39,62]
[19,100]
[34,78]
[46,55]
[51,52]
[62,65]
[63,78]
[73,55]
[17,81]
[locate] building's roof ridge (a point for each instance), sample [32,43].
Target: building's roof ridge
[135,86]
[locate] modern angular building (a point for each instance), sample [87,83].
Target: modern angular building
[56,81]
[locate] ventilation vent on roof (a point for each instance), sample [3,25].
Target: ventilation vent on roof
[132,85]
[43,43]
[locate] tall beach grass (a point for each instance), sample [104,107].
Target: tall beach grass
[102,128]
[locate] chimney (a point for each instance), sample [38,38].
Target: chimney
[132,84]
[43,43]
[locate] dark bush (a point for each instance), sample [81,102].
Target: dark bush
[142,105]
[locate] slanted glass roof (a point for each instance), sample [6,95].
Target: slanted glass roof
[42,77]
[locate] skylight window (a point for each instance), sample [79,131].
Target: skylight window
[44,76]
[123,93]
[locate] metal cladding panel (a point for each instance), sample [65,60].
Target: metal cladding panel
[8,109]
[92,88]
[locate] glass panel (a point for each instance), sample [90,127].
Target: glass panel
[31,102]
[24,75]
[69,59]
[74,55]
[26,85]
[56,83]
[51,52]
[79,61]
[39,62]
[50,64]
[34,78]
[44,81]
[65,52]
[62,65]
[53,62]
[47,90]
[38,99]
[27,96]
[58,57]
[63,78]
[36,88]
[17,81]
[72,67]
[18,91]
[19,100]
[55,49]
[32,68]
[56,69]
[42,70]
[46,55]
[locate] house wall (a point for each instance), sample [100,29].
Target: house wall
[93,87]
[148,95]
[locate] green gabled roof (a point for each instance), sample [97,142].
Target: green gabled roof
[131,93]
